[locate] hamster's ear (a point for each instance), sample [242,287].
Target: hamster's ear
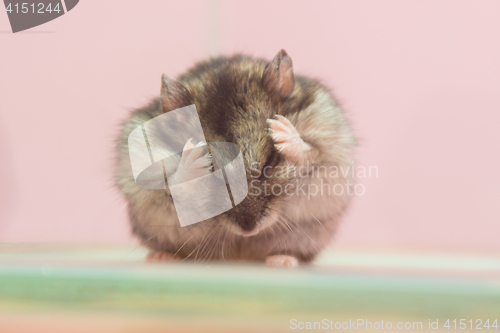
[171,94]
[278,75]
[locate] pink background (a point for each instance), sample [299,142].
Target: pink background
[420,81]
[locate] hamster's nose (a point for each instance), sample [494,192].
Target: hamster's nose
[247,222]
[251,233]
[246,215]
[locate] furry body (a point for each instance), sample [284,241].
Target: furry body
[236,99]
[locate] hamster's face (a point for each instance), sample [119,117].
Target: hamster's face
[234,99]
[262,205]
[266,171]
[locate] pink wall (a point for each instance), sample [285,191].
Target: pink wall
[420,81]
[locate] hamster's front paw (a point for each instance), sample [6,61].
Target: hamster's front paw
[286,138]
[282,261]
[193,163]
[161,256]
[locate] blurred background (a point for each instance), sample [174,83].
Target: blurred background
[419,81]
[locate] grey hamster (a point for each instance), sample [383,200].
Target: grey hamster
[293,136]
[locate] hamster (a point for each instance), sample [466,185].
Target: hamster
[296,144]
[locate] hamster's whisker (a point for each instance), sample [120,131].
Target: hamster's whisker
[190,253]
[221,240]
[214,244]
[310,239]
[281,243]
[147,240]
[204,242]
[211,243]
[135,248]
[182,246]
[288,226]
[197,247]
[318,221]
[284,230]
[224,240]
[220,243]
[189,229]
[265,233]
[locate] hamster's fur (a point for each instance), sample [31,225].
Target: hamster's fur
[280,122]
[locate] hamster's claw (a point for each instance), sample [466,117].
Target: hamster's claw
[194,163]
[282,261]
[286,138]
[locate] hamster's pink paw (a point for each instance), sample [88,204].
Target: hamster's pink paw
[160,256]
[282,261]
[286,138]
[195,163]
